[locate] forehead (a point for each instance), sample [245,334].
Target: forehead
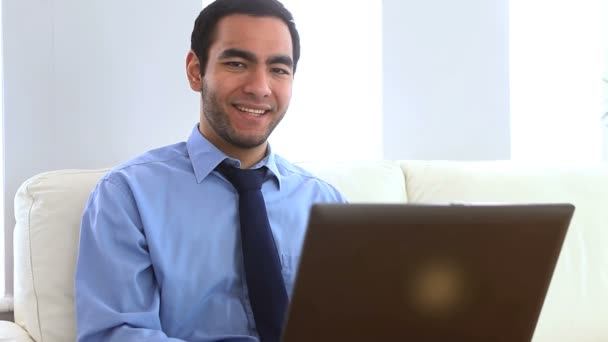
[259,35]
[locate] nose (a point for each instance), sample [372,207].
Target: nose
[257,83]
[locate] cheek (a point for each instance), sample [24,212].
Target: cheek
[220,82]
[283,95]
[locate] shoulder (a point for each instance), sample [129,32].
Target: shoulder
[132,185]
[149,165]
[300,175]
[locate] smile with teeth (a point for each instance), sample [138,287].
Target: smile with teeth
[251,111]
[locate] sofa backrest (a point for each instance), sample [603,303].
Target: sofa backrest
[576,306]
[48,209]
[363,181]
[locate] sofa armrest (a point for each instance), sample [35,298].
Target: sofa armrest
[10,331]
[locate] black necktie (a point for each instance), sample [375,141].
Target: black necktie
[262,265]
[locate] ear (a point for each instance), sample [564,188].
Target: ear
[193,71]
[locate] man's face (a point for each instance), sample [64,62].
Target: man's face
[247,82]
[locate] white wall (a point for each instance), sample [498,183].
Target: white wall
[2,197]
[92,83]
[446,86]
[604,37]
[89,84]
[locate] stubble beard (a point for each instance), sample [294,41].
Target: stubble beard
[220,122]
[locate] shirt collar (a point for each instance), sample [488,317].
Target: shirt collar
[205,157]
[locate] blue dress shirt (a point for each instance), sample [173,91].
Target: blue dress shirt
[160,256]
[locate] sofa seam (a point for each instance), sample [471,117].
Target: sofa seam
[406,179]
[406,195]
[29,232]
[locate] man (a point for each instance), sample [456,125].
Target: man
[169,239]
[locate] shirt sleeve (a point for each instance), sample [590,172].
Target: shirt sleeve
[116,293]
[336,195]
[340,198]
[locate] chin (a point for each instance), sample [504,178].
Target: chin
[248,142]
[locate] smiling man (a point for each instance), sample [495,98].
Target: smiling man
[199,241]
[246,86]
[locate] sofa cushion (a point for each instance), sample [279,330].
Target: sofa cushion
[10,331]
[48,210]
[576,305]
[363,181]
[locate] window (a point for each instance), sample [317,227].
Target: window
[556,80]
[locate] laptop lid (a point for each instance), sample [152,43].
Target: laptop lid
[373,272]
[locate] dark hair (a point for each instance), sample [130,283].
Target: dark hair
[204,26]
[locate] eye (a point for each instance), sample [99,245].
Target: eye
[280,71]
[235,64]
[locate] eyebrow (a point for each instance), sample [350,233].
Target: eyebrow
[280,59]
[248,56]
[238,53]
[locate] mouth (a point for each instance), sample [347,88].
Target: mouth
[251,111]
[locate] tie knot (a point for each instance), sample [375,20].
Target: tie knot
[243,180]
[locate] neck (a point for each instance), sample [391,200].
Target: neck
[247,156]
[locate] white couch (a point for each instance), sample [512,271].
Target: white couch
[48,209]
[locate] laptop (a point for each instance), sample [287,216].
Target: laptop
[375,272]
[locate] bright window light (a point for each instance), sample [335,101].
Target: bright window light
[556,80]
[336,108]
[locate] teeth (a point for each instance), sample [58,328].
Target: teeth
[252,111]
